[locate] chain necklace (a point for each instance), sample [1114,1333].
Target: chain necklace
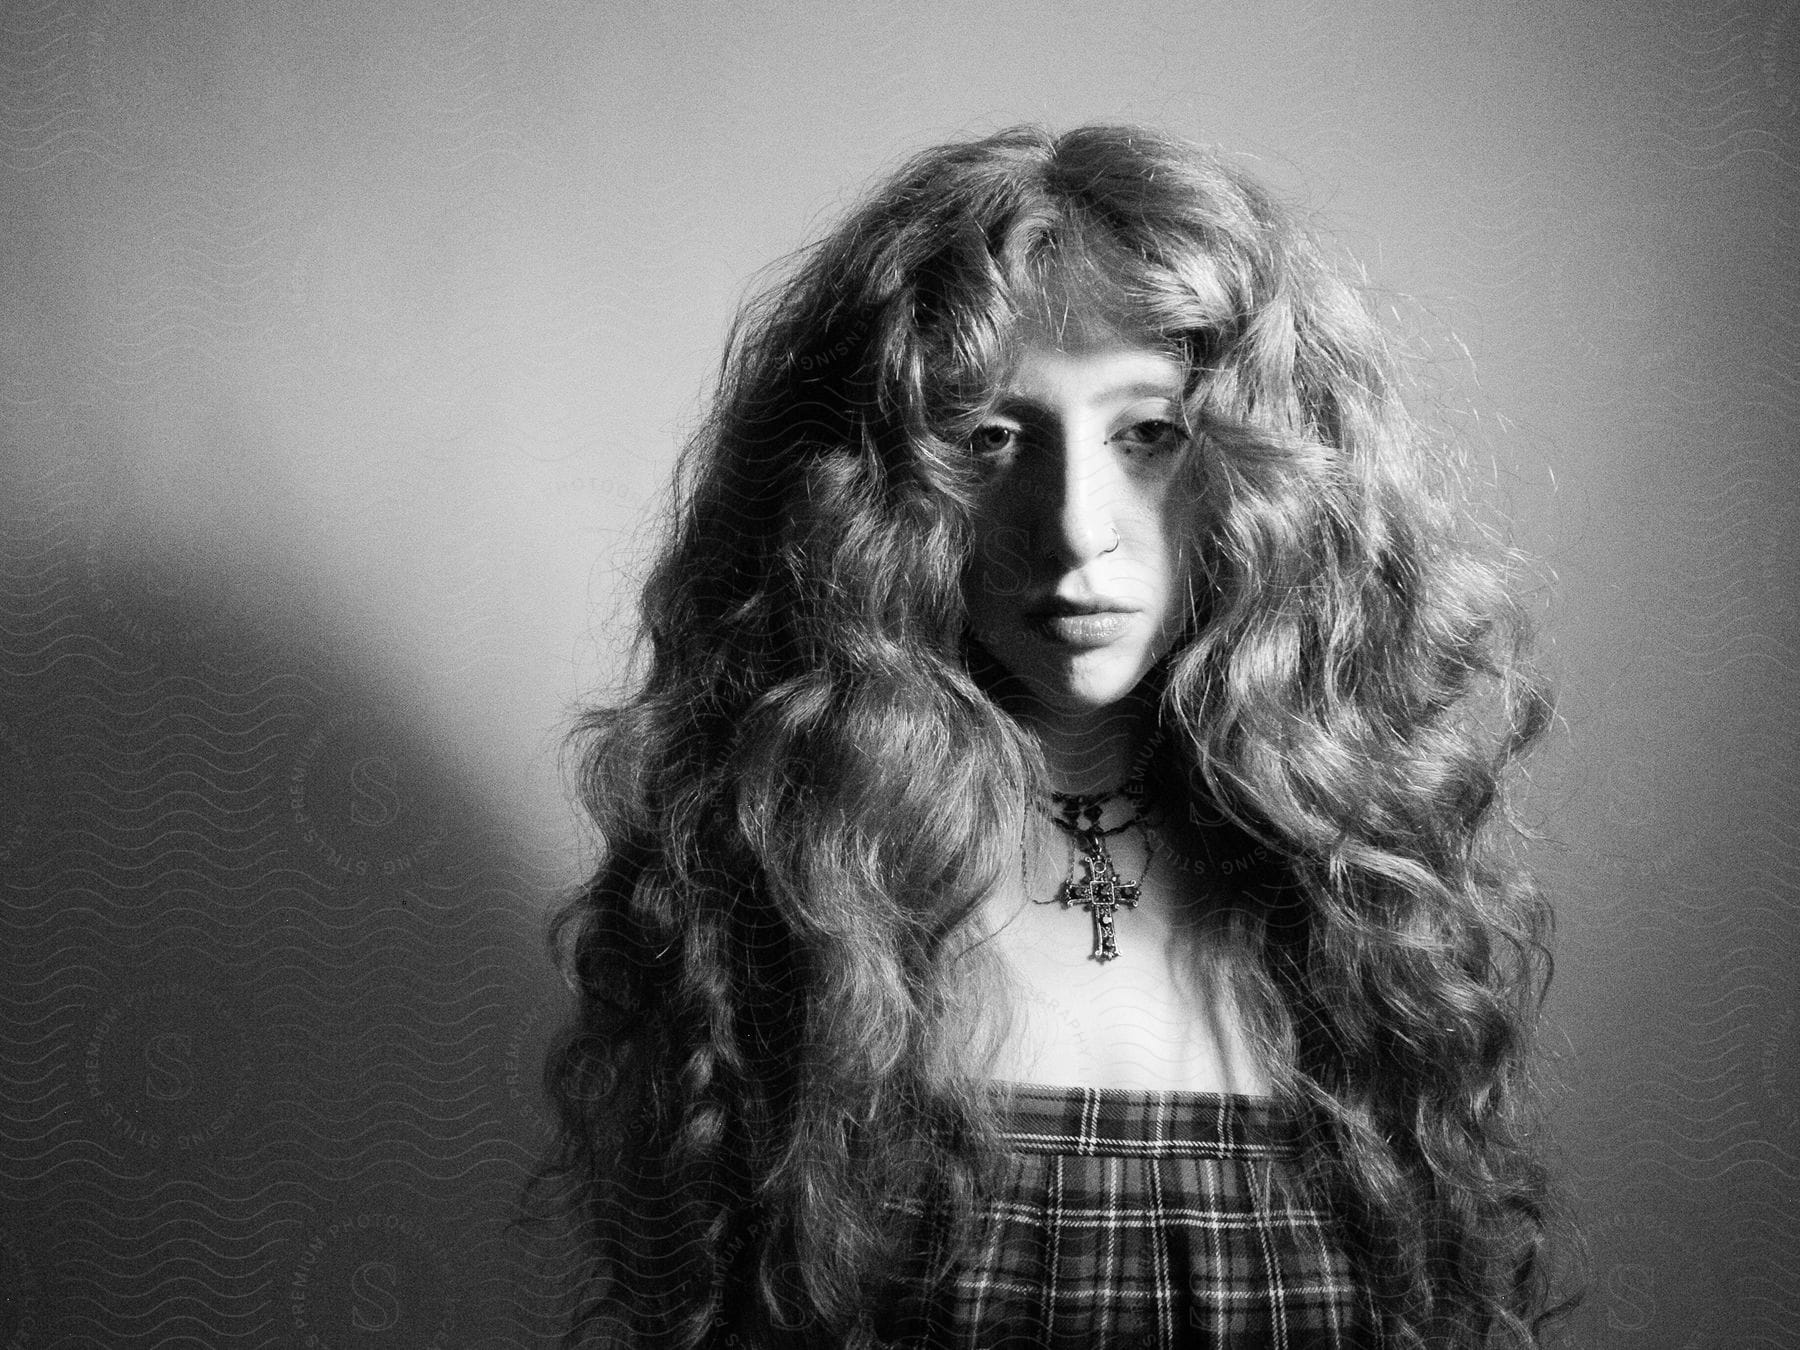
[1102,890]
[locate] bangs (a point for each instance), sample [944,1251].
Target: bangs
[960,264]
[1059,272]
[1078,286]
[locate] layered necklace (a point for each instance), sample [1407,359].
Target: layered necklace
[1093,881]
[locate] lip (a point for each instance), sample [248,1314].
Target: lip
[1057,606]
[1078,624]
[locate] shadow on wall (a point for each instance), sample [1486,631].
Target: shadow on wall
[276,991]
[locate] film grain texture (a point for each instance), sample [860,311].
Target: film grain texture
[344,351]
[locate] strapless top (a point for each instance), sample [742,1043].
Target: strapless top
[1140,1219]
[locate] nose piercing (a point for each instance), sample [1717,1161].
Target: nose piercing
[1115,543]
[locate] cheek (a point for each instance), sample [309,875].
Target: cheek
[1002,567]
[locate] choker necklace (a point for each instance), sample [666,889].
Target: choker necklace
[1102,890]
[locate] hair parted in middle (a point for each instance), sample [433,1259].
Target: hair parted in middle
[814,781]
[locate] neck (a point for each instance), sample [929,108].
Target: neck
[1090,751]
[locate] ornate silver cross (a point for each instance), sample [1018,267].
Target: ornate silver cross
[1101,894]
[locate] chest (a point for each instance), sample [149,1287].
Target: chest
[1157,1016]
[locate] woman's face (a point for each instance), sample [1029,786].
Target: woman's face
[1078,582]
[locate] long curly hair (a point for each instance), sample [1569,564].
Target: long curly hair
[811,785]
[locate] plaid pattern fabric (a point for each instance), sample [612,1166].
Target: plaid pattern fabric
[1138,1220]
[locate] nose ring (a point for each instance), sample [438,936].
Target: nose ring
[1115,543]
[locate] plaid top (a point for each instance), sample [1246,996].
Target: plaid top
[1142,1219]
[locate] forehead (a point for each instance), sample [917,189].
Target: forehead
[1087,367]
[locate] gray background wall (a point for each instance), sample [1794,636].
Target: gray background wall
[343,351]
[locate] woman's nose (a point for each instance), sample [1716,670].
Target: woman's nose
[1075,520]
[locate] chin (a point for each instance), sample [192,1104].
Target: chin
[1086,685]
[1015,665]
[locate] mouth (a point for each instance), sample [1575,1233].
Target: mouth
[1078,623]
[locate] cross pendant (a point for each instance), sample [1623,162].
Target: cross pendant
[1101,895]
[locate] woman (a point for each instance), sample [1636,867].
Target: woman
[1049,893]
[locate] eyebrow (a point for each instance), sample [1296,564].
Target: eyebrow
[1143,389]
[1127,390]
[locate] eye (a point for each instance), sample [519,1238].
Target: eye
[1152,437]
[993,439]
